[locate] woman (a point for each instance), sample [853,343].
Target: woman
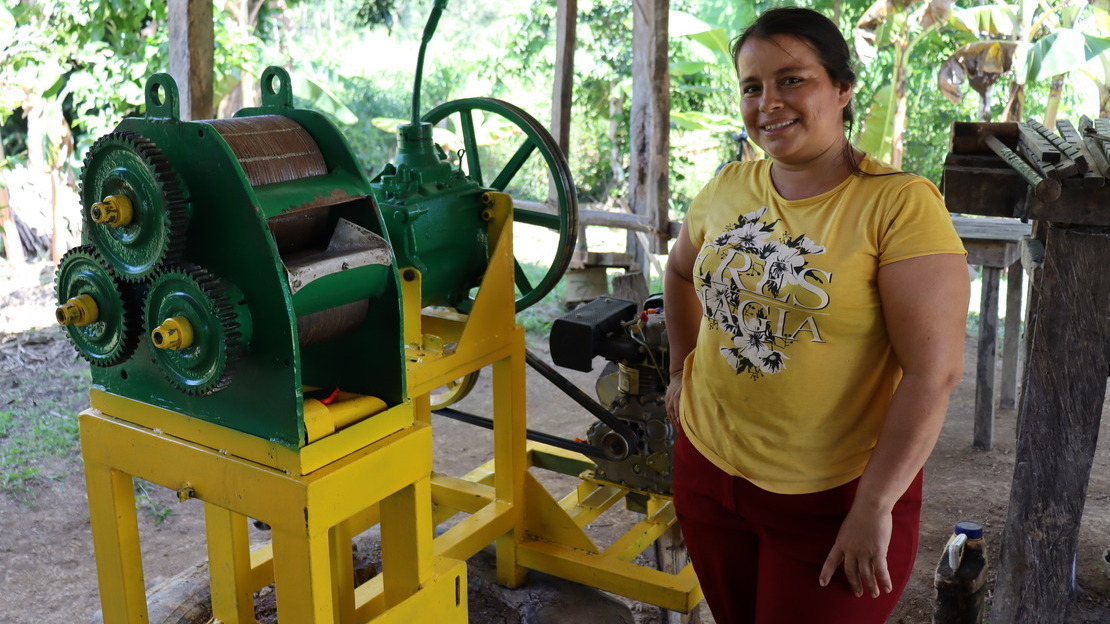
[815,303]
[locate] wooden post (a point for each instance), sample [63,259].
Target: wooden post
[191,44]
[1061,408]
[649,166]
[1011,340]
[671,557]
[984,369]
[566,20]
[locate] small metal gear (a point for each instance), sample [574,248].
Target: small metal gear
[112,332]
[214,315]
[129,169]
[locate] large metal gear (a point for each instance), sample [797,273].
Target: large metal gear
[98,310]
[134,206]
[199,327]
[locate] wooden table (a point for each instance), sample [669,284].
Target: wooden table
[995,244]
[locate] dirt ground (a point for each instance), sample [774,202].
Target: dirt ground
[47,569]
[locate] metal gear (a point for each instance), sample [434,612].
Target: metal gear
[128,168]
[216,319]
[111,335]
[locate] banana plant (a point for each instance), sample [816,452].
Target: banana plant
[899,25]
[1031,41]
[715,42]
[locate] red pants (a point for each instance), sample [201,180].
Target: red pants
[758,554]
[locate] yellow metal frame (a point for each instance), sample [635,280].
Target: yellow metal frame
[379,470]
[311,518]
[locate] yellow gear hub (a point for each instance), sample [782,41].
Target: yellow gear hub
[115,211]
[174,333]
[79,311]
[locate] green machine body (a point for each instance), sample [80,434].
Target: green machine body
[228,264]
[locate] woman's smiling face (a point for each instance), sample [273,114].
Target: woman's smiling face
[790,105]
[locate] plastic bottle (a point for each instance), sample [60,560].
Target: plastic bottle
[961,577]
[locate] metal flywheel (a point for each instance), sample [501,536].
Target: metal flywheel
[134,206]
[199,328]
[98,310]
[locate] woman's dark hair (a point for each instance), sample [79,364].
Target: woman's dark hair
[819,33]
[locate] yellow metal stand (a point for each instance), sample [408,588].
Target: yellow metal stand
[375,471]
[505,502]
[310,515]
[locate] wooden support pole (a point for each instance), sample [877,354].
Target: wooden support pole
[191,44]
[984,370]
[566,20]
[1011,339]
[649,163]
[1061,408]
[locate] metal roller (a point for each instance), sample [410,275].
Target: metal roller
[320,326]
[271,148]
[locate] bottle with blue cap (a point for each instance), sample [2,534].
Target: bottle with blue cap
[961,577]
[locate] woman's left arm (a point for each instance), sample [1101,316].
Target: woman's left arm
[924,303]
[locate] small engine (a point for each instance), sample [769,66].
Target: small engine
[632,386]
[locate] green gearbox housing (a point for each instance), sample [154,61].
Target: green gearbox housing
[228,264]
[434,215]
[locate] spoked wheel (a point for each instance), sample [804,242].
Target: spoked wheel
[560,216]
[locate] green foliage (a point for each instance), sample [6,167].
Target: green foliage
[1063,51]
[353,59]
[89,60]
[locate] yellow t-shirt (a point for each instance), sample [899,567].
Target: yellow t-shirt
[793,370]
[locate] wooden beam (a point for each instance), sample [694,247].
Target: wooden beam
[651,108]
[191,45]
[1061,410]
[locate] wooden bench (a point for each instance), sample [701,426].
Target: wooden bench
[995,244]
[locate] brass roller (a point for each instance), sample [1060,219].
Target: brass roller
[271,148]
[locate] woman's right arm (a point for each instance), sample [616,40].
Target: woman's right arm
[683,314]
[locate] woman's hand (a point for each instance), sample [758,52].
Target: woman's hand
[674,398]
[861,546]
